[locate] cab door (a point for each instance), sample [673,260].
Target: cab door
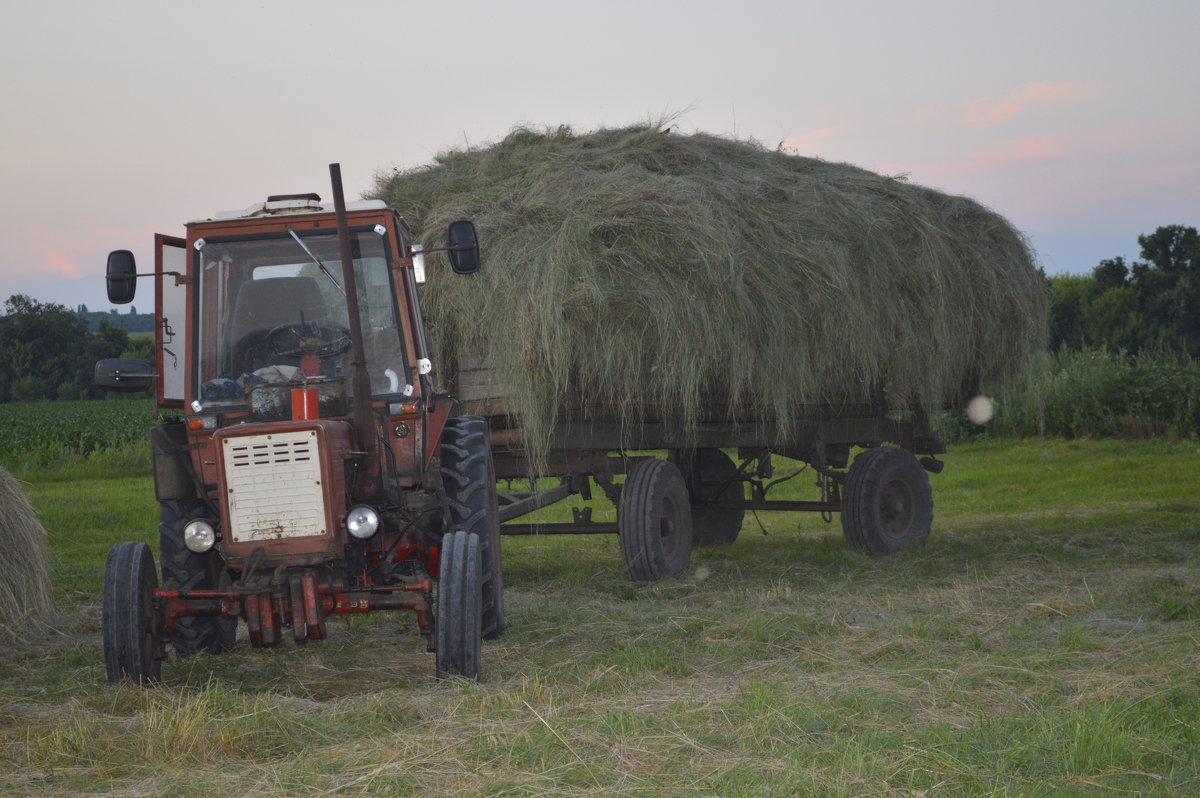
[170,304]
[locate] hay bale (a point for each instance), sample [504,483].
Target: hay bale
[25,602]
[641,268]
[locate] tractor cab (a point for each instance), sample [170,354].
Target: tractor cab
[271,309]
[271,304]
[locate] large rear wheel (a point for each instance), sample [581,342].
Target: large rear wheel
[191,571]
[469,479]
[459,606]
[130,627]
[654,520]
[887,504]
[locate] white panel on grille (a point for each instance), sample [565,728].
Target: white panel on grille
[274,486]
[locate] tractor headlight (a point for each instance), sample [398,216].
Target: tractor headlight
[362,521]
[199,536]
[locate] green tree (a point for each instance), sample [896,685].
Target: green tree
[48,352]
[1153,302]
[1168,285]
[1070,297]
[30,389]
[1110,274]
[1114,319]
[1173,249]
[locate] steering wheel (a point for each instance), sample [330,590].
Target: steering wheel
[308,338]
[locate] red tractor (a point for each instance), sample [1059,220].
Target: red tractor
[310,468]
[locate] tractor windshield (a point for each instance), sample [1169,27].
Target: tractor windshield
[272,309]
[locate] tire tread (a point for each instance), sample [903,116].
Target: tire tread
[644,490]
[468,481]
[869,471]
[459,606]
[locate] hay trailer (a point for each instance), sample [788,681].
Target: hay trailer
[305,466]
[728,304]
[711,474]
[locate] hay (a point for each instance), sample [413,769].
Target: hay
[639,267]
[24,583]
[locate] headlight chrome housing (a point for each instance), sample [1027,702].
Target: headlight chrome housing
[199,536]
[362,521]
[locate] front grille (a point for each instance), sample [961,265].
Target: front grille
[273,485]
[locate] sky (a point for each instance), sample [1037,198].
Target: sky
[1079,121]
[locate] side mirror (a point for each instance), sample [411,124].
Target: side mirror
[124,375]
[463,244]
[121,277]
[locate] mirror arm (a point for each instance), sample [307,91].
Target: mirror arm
[180,277]
[459,248]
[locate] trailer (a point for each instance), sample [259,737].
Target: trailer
[687,485]
[669,313]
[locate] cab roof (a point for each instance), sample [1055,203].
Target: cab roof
[290,205]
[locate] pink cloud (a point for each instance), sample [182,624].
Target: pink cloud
[987,111]
[1113,141]
[60,264]
[802,143]
[39,249]
[1022,150]
[1015,151]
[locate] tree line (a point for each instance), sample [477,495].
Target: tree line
[130,321]
[1150,304]
[48,352]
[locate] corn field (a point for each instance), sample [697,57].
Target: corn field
[45,433]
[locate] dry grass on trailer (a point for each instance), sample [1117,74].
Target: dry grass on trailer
[639,267]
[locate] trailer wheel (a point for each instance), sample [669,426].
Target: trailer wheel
[469,479]
[192,571]
[459,606]
[130,628]
[712,525]
[887,504]
[654,520]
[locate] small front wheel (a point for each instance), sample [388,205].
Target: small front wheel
[130,625]
[469,477]
[887,504]
[459,606]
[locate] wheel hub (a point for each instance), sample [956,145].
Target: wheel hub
[896,508]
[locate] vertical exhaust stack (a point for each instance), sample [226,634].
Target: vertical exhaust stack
[364,420]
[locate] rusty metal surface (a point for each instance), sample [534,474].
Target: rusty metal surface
[302,602]
[527,503]
[409,457]
[333,443]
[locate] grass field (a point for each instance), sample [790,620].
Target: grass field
[1045,642]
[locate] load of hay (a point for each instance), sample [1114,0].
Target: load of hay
[24,583]
[641,268]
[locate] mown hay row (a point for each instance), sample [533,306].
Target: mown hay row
[637,266]
[24,581]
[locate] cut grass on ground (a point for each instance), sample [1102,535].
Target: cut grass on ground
[1043,643]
